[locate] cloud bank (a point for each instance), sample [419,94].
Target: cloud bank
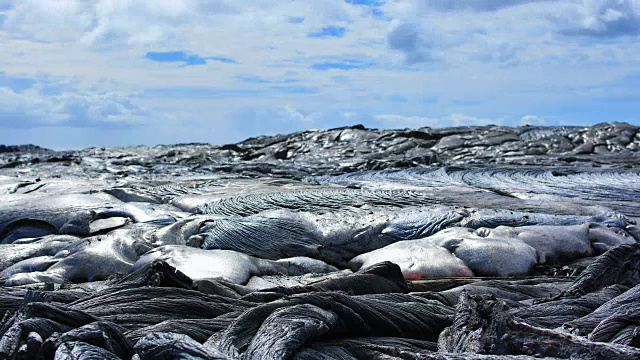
[216,71]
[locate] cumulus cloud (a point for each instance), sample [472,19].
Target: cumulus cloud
[290,113]
[37,105]
[99,63]
[601,18]
[423,34]
[110,22]
[118,23]
[496,31]
[408,38]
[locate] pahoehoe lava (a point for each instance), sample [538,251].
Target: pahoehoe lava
[350,243]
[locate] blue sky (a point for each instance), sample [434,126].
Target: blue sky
[78,73]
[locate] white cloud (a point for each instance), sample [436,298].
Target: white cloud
[288,112]
[601,18]
[465,120]
[117,23]
[423,33]
[68,106]
[409,39]
[103,22]
[505,32]
[493,59]
[401,121]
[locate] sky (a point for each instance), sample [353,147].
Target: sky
[81,73]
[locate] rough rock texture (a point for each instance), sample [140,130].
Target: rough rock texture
[357,148]
[352,243]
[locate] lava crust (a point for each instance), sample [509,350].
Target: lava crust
[352,243]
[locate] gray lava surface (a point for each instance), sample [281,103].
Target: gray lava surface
[352,243]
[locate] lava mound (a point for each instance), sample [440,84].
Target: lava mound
[351,243]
